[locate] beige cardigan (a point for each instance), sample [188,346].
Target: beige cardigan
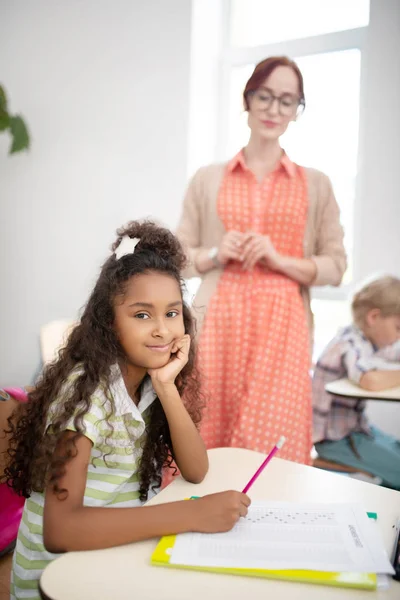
[200,227]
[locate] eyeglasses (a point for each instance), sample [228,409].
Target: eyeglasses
[263,99]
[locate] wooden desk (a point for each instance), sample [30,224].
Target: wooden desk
[344,387]
[125,572]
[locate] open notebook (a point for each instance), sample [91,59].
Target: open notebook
[282,541]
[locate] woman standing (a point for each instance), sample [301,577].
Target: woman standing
[260,230]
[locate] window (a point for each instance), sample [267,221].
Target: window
[260,22]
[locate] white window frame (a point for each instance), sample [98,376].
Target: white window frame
[232,57]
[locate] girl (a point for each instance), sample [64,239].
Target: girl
[107,416]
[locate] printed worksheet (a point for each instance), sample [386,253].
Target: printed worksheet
[284,535]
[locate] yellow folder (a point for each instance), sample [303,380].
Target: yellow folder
[367,581]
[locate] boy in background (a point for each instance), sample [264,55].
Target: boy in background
[367,352]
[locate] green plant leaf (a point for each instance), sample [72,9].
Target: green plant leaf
[3,99]
[4,120]
[19,134]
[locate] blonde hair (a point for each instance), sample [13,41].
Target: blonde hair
[382,293]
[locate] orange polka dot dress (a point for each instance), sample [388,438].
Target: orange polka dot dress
[254,345]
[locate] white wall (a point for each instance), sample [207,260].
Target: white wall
[104,88]
[205,80]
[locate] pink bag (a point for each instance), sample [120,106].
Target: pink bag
[11,505]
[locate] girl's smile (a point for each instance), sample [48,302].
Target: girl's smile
[161,348]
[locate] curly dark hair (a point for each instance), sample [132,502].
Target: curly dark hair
[92,349]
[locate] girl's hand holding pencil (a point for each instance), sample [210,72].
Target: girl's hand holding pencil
[220,512]
[217,513]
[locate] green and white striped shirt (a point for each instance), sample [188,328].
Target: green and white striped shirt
[113,482]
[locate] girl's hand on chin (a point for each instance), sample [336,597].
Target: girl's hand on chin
[167,374]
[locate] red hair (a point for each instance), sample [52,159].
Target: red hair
[264,70]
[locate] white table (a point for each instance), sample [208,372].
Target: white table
[344,387]
[125,573]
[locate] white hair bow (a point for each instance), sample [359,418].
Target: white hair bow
[126,246]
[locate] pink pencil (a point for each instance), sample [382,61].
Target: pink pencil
[274,450]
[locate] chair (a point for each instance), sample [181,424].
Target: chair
[328,465]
